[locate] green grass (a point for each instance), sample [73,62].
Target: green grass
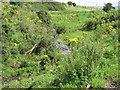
[93,58]
[74,31]
[72,21]
[81,8]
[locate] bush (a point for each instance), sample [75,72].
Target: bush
[69,3]
[59,29]
[108,7]
[44,16]
[74,4]
[111,16]
[91,25]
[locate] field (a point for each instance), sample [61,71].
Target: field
[30,58]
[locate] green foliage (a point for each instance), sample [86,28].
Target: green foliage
[91,25]
[108,7]
[74,4]
[97,83]
[23,29]
[51,6]
[44,16]
[93,56]
[112,16]
[59,29]
[69,3]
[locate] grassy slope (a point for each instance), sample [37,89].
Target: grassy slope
[74,26]
[73,22]
[81,8]
[73,19]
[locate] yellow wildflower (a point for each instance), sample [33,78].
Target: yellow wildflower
[39,21]
[103,21]
[110,27]
[106,32]
[10,5]
[37,17]
[4,2]
[102,24]
[16,11]
[15,44]
[8,11]
[45,56]
[84,32]
[53,11]
[73,15]
[118,44]
[6,19]
[74,40]
[4,7]
[28,18]
[104,13]
[113,21]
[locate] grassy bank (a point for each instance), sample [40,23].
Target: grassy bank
[31,60]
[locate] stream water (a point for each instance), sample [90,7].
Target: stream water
[65,49]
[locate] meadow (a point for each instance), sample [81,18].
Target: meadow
[90,33]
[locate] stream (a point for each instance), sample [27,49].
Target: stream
[65,49]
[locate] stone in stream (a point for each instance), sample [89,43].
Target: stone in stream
[65,48]
[65,52]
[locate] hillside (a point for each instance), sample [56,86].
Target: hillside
[36,36]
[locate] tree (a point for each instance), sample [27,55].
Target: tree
[74,4]
[69,3]
[108,7]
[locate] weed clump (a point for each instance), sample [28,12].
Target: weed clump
[59,29]
[44,16]
[91,25]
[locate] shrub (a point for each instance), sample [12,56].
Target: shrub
[108,7]
[91,25]
[111,16]
[59,29]
[44,16]
[69,3]
[74,4]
